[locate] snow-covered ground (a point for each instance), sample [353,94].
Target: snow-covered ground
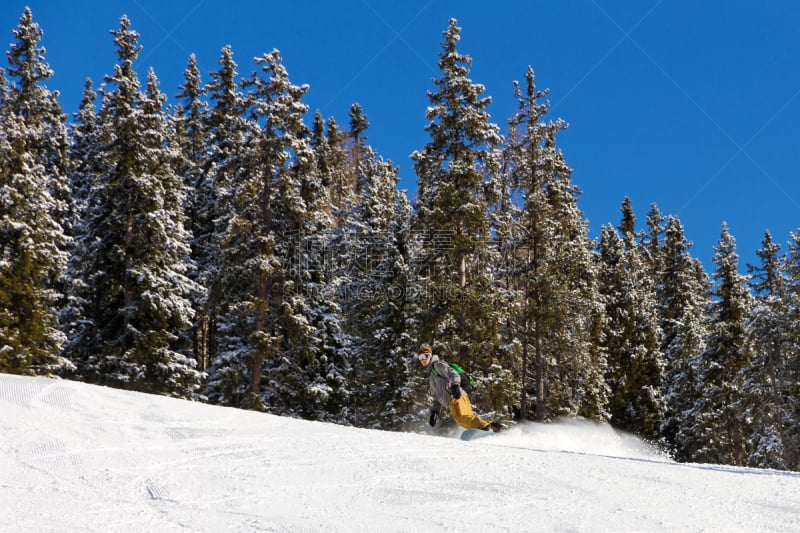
[78,458]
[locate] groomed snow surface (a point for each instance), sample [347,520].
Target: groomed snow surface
[80,458]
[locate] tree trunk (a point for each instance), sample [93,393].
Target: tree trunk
[523,411]
[541,413]
[200,340]
[257,363]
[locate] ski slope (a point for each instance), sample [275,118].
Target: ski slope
[81,458]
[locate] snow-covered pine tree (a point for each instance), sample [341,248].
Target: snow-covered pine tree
[190,139]
[791,393]
[769,340]
[627,225]
[85,156]
[138,308]
[561,312]
[336,170]
[631,332]
[281,351]
[31,258]
[369,268]
[374,283]
[326,162]
[83,152]
[225,129]
[35,212]
[358,125]
[576,362]
[683,292]
[455,291]
[520,230]
[648,364]
[226,125]
[509,275]
[41,114]
[190,121]
[174,288]
[310,378]
[653,241]
[719,424]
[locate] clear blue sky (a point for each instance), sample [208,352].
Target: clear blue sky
[692,105]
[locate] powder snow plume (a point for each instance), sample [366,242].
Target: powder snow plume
[579,436]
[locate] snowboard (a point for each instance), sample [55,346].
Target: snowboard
[472,434]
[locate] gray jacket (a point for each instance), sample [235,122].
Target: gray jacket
[440,378]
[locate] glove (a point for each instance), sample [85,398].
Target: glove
[455,390]
[432,420]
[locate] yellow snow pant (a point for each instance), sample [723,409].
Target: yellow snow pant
[462,413]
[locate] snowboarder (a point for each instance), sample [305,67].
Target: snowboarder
[445,390]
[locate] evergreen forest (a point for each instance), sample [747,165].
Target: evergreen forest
[230,247]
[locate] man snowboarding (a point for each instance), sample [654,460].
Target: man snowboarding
[445,390]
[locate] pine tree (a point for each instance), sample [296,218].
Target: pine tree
[256,237]
[358,125]
[191,119]
[768,337]
[31,259]
[33,205]
[508,366]
[374,290]
[336,170]
[683,291]
[138,293]
[190,138]
[369,271]
[632,333]
[85,167]
[719,425]
[561,313]
[225,129]
[41,114]
[281,351]
[457,296]
[791,378]
[653,242]
[83,153]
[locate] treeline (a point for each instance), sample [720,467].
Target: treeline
[222,249]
